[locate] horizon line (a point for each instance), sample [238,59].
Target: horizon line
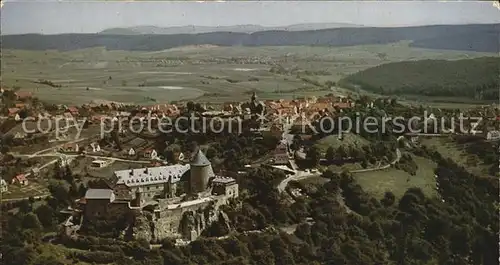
[355,26]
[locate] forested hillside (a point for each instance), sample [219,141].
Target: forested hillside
[455,37]
[474,78]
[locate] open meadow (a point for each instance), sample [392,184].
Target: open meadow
[398,181]
[205,73]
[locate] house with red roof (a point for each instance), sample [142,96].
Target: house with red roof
[73,111]
[20,179]
[13,111]
[150,153]
[342,105]
[21,105]
[23,95]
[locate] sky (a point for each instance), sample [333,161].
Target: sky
[44,17]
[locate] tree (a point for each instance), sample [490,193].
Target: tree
[30,221]
[82,190]
[388,199]
[59,192]
[190,106]
[68,174]
[313,155]
[342,152]
[364,163]
[45,215]
[330,154]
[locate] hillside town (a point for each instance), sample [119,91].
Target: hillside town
[177,190]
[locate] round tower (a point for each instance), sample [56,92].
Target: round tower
[201,171]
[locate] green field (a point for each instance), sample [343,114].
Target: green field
[349,140]
[398,181]
[207,74]
[456,152]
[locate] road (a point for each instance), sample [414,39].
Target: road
[25,198]
[57,154]
[287,126]
[299,175]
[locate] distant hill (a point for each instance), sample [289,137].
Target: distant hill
[482,38]
[470,78]
[192,29]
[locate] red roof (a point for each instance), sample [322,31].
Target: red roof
[21,177]
[342,105]
[24,94]
[13,110]
[73,109]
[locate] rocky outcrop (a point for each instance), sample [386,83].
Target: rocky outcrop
[224,220]
[142,228]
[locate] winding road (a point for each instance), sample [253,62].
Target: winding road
[299,175]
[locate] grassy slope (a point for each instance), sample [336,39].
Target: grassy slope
[398,181]
[455,152]
[348,140]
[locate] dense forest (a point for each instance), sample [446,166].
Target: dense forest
[453,37]
[474,78]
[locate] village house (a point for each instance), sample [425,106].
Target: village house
[122,114]
[281,154]
[150,154]
[3,186]
[21,105]
[100,163]
[131,152]
[69,147]
[23,95]
[95,147]
[181,156]
[20,135]
[20,179]
[228,107]
[73,110]
[12,112]
[343,105]
[68,116]
[493,135]
[98,118]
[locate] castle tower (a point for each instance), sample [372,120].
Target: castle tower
[201,172]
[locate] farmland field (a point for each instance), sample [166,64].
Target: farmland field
[214,74]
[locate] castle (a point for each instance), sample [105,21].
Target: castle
[155,196]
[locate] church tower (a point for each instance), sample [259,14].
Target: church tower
[254,97]
[201,172]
